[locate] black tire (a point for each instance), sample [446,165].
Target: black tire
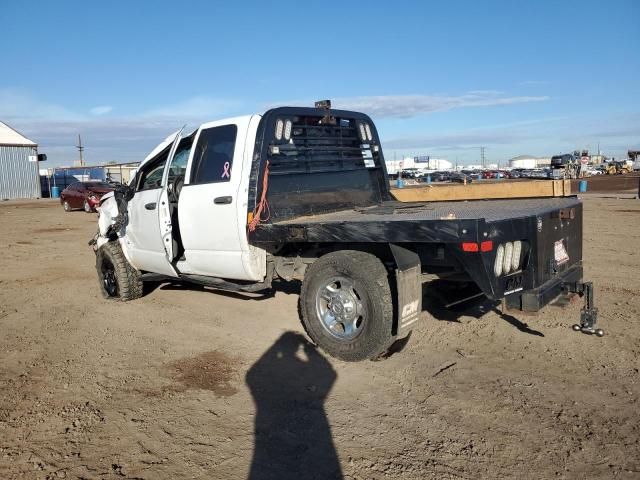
[118,279]
[66,206]
[367,278]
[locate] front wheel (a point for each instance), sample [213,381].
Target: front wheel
[118,279]
[66,206]
[346,305]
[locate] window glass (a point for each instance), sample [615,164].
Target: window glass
[179,162]
[213,157]
[151,174]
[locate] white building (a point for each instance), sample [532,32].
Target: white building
[524,161]
[433,164]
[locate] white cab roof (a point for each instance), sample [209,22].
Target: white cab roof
[169,140]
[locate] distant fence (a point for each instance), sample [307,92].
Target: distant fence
[63,177]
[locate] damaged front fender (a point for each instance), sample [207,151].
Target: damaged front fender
[113,216]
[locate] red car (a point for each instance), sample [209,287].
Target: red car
[85,195]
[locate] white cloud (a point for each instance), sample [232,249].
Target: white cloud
[101,110]
[405,106]
[120,138]
[19,104]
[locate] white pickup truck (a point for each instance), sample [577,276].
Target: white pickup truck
[302,194]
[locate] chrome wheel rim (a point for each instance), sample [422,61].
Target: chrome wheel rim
[87,207]
[340,308]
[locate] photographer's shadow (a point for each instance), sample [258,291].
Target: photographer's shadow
[289,384]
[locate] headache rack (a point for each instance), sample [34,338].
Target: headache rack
[316,148]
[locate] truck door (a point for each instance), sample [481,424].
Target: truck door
[212,204]
[143,238]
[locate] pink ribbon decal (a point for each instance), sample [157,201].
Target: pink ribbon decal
[226,173]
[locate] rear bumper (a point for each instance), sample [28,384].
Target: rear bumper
[533,300]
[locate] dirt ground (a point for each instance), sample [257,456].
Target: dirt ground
[192,383]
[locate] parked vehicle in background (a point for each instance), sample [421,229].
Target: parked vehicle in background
[461,178]
[435,176]
[634,158]
[444,176]
[618,168]
[474,174]
[410,172]
[564,166]
[590,171]
[85,195]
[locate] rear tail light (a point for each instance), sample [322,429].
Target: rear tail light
[508,258]
[470,247]
[517,253]
[486,246]
[508,253]
[497,266]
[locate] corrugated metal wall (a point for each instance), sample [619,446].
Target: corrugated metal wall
[18,176]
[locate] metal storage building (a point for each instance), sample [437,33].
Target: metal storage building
[19,175]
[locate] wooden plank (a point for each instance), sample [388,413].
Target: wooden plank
[484,191]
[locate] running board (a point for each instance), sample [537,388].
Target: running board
[214,282]
[227,284]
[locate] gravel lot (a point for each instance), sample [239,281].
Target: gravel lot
[192,383]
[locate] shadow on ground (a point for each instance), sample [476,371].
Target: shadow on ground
[289,385]
[449,301]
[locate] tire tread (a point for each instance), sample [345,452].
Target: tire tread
[130,285]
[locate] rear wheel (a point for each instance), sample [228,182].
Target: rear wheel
[346,305]
[118,279]
[87,207]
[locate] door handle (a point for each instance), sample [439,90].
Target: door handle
[223,200]
[150,206]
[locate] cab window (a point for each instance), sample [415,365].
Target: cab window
[213,156]
[151,173]
[179,162]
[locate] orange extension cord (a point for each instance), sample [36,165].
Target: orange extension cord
[263,206]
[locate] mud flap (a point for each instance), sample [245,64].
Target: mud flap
[409,290]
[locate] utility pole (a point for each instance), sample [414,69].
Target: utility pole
[80,150]
[483,159]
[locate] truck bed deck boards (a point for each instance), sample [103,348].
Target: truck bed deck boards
[490,210]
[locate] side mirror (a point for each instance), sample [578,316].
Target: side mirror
[42,157]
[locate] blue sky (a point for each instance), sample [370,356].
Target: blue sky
[439,78]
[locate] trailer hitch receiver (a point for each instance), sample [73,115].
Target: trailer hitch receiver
[589,313]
